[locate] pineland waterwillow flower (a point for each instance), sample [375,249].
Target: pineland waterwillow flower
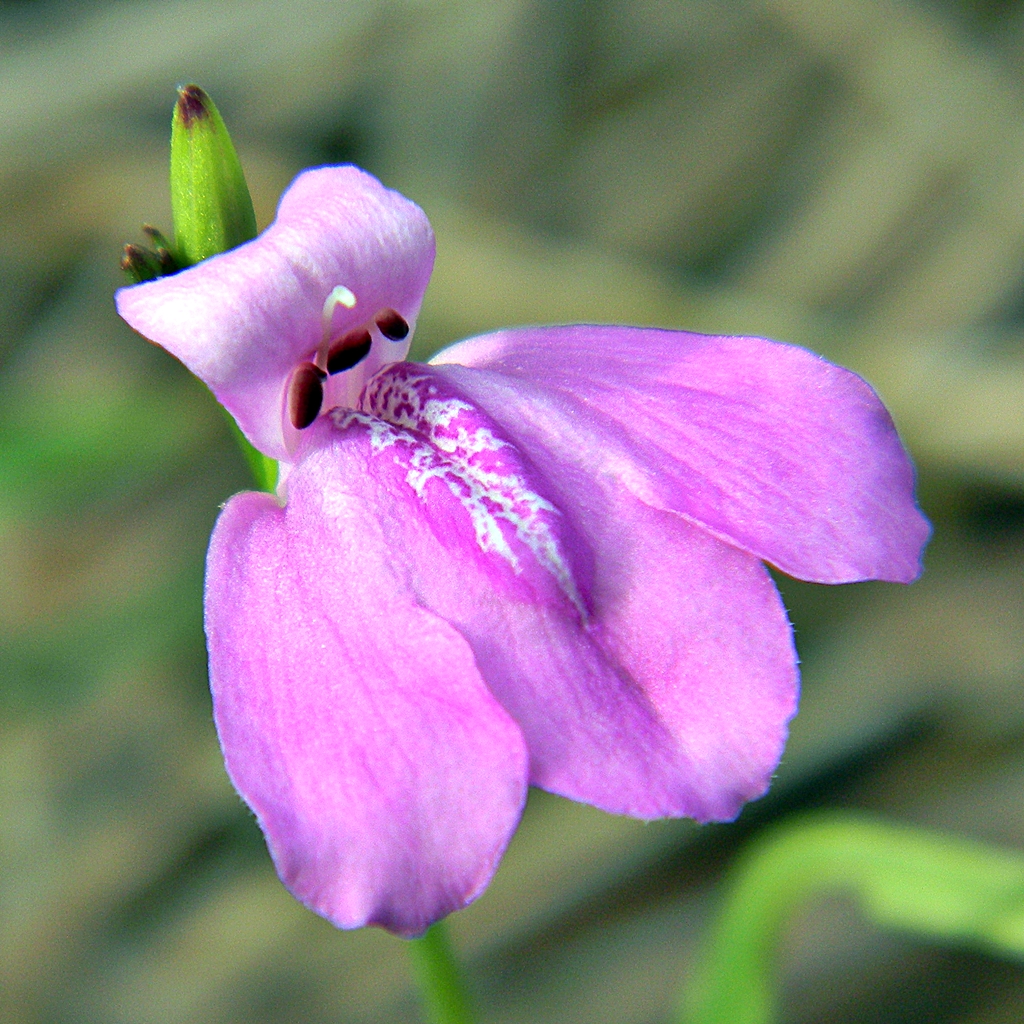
[536,559]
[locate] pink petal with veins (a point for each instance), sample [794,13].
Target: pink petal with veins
[768,446]
[649,665]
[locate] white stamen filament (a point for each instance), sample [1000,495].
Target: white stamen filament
[339,296]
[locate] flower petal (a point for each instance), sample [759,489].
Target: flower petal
[767,445]
[243,320]
[672,699]
[354,722]
[649,665]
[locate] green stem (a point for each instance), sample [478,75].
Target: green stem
[437,974]
[262,467]
[935,886]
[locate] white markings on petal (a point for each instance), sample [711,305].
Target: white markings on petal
[450,440]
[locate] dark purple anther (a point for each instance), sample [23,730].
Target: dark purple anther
[305,395]
[392,325]
[348,350]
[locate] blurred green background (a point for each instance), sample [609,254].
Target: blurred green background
[847,176]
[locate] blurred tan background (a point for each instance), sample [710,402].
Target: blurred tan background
[847,176]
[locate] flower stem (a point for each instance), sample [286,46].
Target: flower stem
[263,469]
[444,997]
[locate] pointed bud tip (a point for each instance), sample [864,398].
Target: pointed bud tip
[193,105]
[156,236]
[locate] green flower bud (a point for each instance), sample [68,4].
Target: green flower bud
[156,238]
[140,264]
[209,197]
[168,262]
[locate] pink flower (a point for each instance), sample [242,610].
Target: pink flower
[535,560]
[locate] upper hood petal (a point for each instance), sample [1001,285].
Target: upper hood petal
[242,320]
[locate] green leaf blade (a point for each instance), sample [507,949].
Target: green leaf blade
[943,888]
